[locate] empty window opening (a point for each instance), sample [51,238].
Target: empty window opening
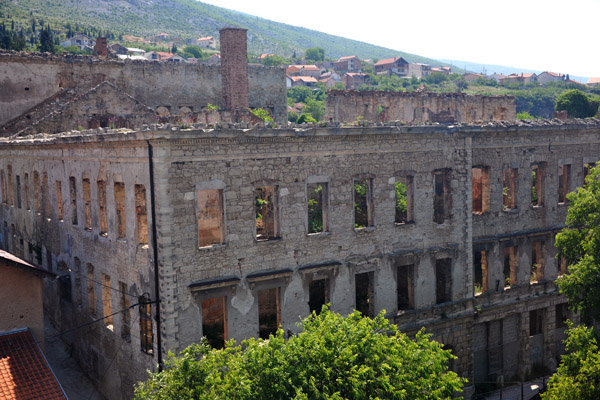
[443,280]
[364,293]
[18,191]
[45,196]
[587,168]
[511,265]
[214,321]
[404,199]
[4,190]
[536,322]
[125,314]
[363,203]
[537,187]
[87,204]
[141,214]
[405,287]
[560,314]
[36,193]
[269,312]
[266,203]
[510,188]
[26,188]
[480,278]
[481,190]
[91,289]
[107,309]
[318,294]
[59,200]
[120,209]
[563,266]
[317,207]
[73,192]
[146,333]
[10,185]
[442,200]
[102,220]
[77,274]
[211,217]
[64,282]
[538,255]
[564,182]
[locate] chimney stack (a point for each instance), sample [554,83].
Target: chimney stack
[234,68]
[101,48]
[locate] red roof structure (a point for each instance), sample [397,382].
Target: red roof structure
[24,371]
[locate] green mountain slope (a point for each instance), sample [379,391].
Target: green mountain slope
[188,19]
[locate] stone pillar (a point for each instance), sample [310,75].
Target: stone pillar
[234,68]
[101,48]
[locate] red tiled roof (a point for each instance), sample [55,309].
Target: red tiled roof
[311,67]
[206,38]
[307,79]
[386,61]
[24,371]
[347,58]
[593,80]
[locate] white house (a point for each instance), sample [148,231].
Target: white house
[81,41]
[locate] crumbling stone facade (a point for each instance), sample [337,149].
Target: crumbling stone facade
[417,107]
[28,80]
[237,251]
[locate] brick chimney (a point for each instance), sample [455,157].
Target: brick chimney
[234,68]
[101,48]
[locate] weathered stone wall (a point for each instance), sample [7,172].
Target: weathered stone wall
[27,80]
[489,331]
[21,299]
[234,68]
[67,249]
[381,106]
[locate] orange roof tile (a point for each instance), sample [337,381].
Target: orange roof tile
[206,38]
[594,80]
[386,61]
[346,58]
[24,371]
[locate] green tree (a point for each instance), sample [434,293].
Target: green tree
[314,54]
[578,375]
[334,357]
[46,41]
[579,243]
[194,51]
[577,104]
[274,61]
[316,108]
[174,49]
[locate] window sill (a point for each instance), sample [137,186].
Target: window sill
[365,229]
[536,207]
[510,210]
[209,247]
[318,234]
[267,240]
[407,223]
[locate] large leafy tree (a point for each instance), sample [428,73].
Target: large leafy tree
[578,376]
[579,243]
[577,104]
[334,357]
[314,54]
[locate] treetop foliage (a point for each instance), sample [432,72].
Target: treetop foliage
[577,103]
[334,357]
[579,243]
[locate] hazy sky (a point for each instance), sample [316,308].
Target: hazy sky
[558,36]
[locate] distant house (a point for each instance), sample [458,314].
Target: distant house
[308,81]
[594,81]
[392,66]
[347,64]
[265,55]
[215,59]
[443,70]
[118,49]
[161,37]
[175,58]
[304,70]
[329,82]
[418,70]
[520,78]
[134,51]
[470,77]
[497,77]
[547,76]
[158,56]
[207,42]
[354,80]
[81,41]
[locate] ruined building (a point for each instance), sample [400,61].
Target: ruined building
[172,234]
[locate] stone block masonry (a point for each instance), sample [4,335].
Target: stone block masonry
[234,68]
[239,252]
[382,106]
